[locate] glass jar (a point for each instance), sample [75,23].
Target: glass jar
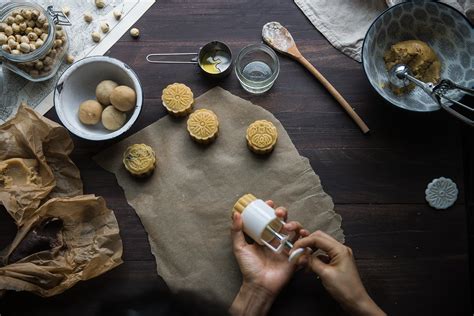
[257,67]
[25,24]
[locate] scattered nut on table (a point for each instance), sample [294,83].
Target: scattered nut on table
[134,32]
[69,59]
[117,14]
[88,17]
[104,26]
[66,11]
[100,4]
[96,37]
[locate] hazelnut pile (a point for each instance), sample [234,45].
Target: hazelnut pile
[26,30]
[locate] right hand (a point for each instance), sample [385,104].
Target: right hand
[338,273]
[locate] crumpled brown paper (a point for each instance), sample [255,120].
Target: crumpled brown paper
[186,204]
[88,241]
[90,244]
[30,136]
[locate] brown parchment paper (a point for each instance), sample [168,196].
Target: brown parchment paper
[89,242]
[29,135]
[185,205]
[90,246]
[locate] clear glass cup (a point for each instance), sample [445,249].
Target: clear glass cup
[42,63]
[257,67]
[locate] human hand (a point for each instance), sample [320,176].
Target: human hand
[338,273]
[264,272]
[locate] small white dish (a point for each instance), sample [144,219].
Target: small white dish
[77,84]
[441,193]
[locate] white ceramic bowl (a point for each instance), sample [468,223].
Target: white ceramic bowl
[446,30]
[77,84]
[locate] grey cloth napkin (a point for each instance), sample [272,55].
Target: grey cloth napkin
[345,22]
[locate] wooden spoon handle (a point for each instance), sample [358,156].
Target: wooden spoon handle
[339,98]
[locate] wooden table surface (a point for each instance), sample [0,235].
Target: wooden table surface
[413,259]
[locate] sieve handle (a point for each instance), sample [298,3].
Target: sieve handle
[150,59]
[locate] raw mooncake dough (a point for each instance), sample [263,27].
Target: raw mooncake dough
[203,126]
[419,57]
[261,136]
[19,172]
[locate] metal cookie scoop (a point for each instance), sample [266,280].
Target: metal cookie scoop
[401,76]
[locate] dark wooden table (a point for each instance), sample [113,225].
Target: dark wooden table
[413,259]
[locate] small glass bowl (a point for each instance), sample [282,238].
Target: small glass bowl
[257,67]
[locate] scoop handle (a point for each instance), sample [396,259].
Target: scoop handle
[339,98]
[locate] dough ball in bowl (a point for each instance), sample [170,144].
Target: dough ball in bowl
[90,112]
[113,119]
[444,30]
[123,98]
[103,91]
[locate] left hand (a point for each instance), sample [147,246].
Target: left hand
[261,267]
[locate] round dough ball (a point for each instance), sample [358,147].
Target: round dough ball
[103,91]
[123,98]
[113,119]
[90,112]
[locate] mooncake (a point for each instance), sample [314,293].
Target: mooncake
[261,136]
[178,99]
[139,160]
[203,126]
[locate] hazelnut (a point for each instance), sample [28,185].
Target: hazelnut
[15,28]
[134,32]
[35,14]
[6,48]
[12,43]
[25,47]
[38,31]
[66,11]
[69,59]
[117,14]
[3,38]
[19,18]
[41,19]
[39,65]
[39,43]
[8,30]
[10,20]
[96,37]
[88,17]
[23,26]
[100,4]
[104,26]
[32,36]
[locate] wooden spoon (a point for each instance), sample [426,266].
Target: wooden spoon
[278,37]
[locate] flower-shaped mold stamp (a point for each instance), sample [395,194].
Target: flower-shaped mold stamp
[139,160]
[261,136]
[178,99]
[203,126]
[441,193]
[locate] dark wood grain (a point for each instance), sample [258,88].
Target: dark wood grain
[413,259]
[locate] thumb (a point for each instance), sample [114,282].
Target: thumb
[317,265]
[238,238]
